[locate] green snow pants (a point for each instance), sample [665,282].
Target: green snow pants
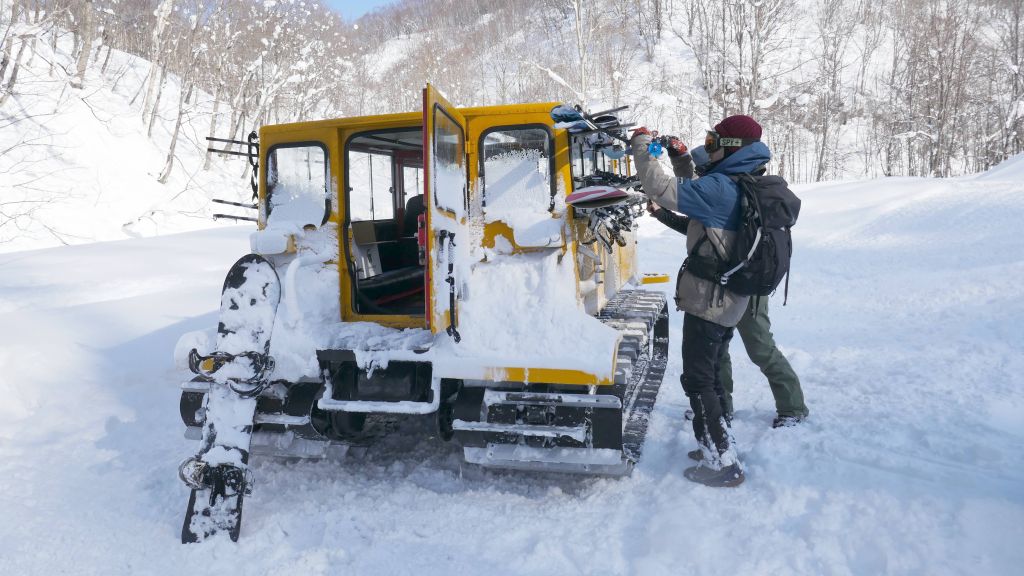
[756,333]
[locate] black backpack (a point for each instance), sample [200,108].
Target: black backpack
[763,246]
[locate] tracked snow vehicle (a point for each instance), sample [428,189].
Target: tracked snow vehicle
[475,266]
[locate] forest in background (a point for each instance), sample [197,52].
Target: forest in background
[843,88]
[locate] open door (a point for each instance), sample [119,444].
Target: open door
[446,197]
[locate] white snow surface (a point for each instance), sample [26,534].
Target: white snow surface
[531,318]
[905,322]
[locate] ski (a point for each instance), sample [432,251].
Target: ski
[237,371]
[573,119]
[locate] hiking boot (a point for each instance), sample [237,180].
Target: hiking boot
[787,421]
[727,477]
[697,454]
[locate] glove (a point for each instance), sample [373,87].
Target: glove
[676,147]
[652,207]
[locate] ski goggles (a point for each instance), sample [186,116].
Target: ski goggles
[713,141]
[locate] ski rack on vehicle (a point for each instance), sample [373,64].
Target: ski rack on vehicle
[251,152]
[232,216]
[595,139]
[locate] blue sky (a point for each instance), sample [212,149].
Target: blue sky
[352,9]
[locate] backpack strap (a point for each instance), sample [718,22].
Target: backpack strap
[785,297]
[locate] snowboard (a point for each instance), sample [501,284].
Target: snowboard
[237,372]
[597,197]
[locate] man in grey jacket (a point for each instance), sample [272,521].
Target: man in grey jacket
[754,327]
[710,310]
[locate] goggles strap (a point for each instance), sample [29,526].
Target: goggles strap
[713,142]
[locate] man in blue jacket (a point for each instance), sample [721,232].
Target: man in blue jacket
[711,311]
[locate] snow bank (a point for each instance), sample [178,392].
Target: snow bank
[1010,169]
[522,312]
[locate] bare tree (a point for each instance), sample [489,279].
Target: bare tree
[186,85]
[923,87]
[835,24]
[158,69]
[85,30]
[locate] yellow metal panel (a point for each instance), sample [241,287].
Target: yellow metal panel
[439,318]
[540,108]
[546,376]
[379,121]
[626,260]
[389,320]
[654,279]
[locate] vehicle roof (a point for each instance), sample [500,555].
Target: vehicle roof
[410,117]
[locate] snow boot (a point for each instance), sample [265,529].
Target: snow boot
[697,454]
[728,477]
[688,416]
[786,421]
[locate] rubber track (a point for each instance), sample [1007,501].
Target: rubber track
[647,360]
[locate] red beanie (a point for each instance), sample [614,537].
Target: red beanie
[739,126]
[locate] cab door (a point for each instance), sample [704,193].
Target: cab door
[446,182]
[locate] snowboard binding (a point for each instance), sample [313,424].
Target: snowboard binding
[261,364]
[222,489]
[225,480]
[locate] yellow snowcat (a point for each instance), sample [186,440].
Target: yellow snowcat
[476,266]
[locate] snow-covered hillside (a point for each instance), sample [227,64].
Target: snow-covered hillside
[904,322]
[77,166]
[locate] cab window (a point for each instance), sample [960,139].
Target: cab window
[449,168]
[516,170]
[370,173]
[297,184]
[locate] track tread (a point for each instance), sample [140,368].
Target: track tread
[639,392]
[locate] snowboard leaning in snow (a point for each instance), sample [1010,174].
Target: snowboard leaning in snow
[237,372]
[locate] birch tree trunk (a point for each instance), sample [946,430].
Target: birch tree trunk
[86,32]
[169,162]
[12,81]
[5,60]
[213,124]
[163,13]
[156,104]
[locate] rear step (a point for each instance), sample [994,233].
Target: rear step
[585,433]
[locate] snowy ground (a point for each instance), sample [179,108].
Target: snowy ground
[905,323]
